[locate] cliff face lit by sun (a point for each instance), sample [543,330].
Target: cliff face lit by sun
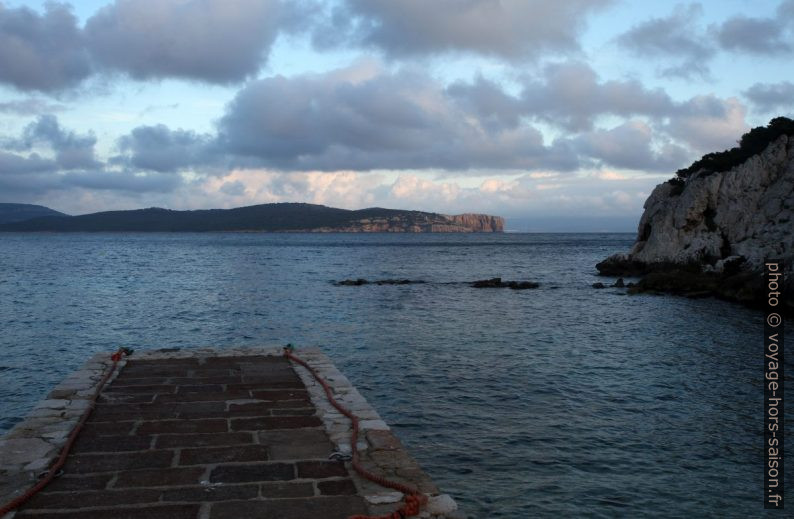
[422,222]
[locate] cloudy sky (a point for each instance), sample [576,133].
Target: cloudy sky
[557,115]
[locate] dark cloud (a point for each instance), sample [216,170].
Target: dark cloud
[785,11]
[753,35]
[346,120]
[571,95]
[707,123]
[15,164]
[30,106]
[511,29]
[72,166]
[72,151]
[158,148]
[769,97]
[366,118]
[630,146]
[42,52]
[126,181]
[676,37]
[494,108]
[234,188]
[216,41]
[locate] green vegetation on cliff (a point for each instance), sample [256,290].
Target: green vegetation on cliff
[751,143]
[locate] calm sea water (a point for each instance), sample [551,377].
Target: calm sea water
[563,401]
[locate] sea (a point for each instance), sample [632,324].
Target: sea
[559,401]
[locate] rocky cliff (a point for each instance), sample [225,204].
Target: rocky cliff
[713,230]
[422,222]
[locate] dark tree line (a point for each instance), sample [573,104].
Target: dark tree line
[752,143]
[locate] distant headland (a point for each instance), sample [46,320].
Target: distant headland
[282,217]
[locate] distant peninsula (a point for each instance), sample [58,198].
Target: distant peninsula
[10,213]
[281,217]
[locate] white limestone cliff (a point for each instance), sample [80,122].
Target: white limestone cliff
[739,216]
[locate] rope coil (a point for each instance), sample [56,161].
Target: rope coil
[414,500]
[55,470]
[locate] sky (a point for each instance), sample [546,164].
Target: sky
[559,116]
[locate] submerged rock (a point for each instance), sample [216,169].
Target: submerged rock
[351,282]
[398,282]
[498,283]
[599,285]
[361,281]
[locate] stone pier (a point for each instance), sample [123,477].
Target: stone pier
[208,434]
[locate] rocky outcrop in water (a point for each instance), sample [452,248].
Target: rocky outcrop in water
[710,233]
[361,281]
[498,283]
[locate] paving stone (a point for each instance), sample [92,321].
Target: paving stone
[111,443]
[337,507]
[212,493]
[383,440]
[260,408]
[441,505]
[40,465]
[199,374]
[373,425]
[229,379]
[202,397]
[288,394]
[87,463]
[159,477]
[107,428]
[214,425]
[223,454]
[114,413]
[69,482]
[297,444]
[274,422]
[321,469]
[158,388]
[199,409]
[290,383]
[302,411]
[23,450]
[337,487]
[56,500]
[200,388]
[165,441]
[385,497]
[149,512]
[285,490]
[126,398]
[247,473]
[144,381]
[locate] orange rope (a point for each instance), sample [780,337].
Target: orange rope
[53,471]
[413,498]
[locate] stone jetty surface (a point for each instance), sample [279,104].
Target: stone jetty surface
[208,434]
